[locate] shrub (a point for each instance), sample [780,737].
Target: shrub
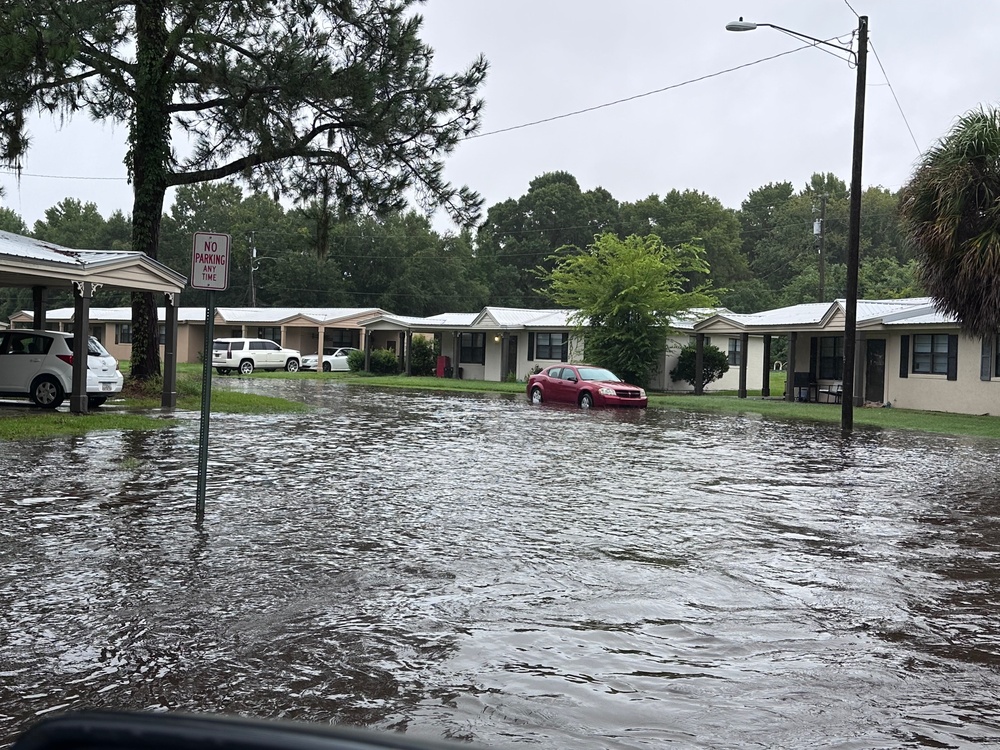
[715,364]
[423,359]
[356,361]
[384,362]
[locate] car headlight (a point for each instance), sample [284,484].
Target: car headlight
[605,391]
[642,393]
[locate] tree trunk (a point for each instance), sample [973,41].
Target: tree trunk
[149,153]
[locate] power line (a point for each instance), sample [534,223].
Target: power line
[636,96]
[895,98]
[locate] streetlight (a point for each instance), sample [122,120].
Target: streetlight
[854,229]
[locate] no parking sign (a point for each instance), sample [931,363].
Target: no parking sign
[210,261]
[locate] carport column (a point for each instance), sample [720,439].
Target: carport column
[168,399]
[457,352]
[790,368]
[321,336]
[368,351]
[765,388]
[699,363]
[38,295]
[744,344]
[409,346]
[283,339]
[82,293]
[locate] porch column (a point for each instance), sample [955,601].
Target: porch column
[38,299]
[859,368]
[765,388]
[408,366]
[168,398]
[83,291]
[368,351]
[790,368]
[744,343]
[457,353]
[699,363]
[319,348]
[282,342]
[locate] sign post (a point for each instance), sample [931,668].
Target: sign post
[209,271]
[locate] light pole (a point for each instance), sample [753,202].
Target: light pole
[854,229]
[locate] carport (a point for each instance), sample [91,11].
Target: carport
[27,262]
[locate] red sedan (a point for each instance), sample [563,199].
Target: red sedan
[584,385]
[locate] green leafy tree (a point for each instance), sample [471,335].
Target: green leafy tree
[758,215]
[71,223]
[625,293]
[10,221]
[951,209]
[714,364]
[694,217]
[522,235]
[278,93]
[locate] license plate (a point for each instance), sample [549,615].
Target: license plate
[107,386]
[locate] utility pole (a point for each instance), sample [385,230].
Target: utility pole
[819,231]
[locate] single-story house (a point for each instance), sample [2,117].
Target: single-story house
[494,344]
[908,354]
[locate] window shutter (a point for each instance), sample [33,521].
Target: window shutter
[986,363]
[953,357]
[531,346]
[564,351]
[904,356]
[813,358]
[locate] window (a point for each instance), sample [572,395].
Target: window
[735,353]
[930,353]
[264,346]
[163,334]
[270,332]
[472,348]
[123,333]
[831,357]
[552,346]
[338,337]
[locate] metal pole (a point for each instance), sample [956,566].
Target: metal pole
[854,235]
[206,408]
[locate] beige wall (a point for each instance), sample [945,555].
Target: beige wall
[966,395]
[729,382]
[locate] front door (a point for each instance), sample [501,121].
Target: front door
[511,355]
[875,371]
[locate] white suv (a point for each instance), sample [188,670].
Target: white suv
[247,355]
[39,365]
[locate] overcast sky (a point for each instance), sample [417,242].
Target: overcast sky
[722,133]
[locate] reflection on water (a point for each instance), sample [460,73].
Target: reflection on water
[475,567]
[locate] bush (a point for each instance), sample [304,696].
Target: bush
[384,362]
[423,359]
[715,364]
[356,361]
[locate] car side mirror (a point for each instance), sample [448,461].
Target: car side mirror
[572,379]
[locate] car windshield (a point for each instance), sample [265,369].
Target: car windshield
[597,373]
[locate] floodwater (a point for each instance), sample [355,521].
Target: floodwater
[477,568]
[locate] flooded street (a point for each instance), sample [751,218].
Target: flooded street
[477,568]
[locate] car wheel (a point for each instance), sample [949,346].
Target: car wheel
[292,365]
[223,370]
[47,393]
[94,401]
[536,395]
[246,367]
[586,400]
[326,367]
